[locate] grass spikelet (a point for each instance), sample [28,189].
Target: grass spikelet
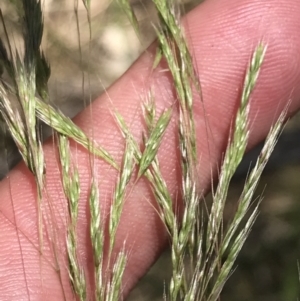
[119,194]
[25,76]
[169,15]
[23,71]
[97,239]
[26,95]
[153,174]
[253,179]
[76,273]
[153,141]
[128,136]
[13,121]
[174,49]
[237,145]
[180,234]
[65,126]
[115,286]
[70,181]
[216,257]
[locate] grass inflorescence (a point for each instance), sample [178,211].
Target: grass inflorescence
[199,236]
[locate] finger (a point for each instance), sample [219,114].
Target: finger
[222,35]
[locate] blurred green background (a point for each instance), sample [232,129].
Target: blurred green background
[267,266]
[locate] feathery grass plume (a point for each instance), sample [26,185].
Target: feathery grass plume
[119,194]
[114,279]
[218,250]
[76,273]
[23,72]
[111,288]
[153,174]
[25,76]
[152,169]
[115,285]
[45,112]
[128,136]
[65,126]
[253,179]
[97,239]
[230,243]
[169,15]
[173,48]
[236,147]
[158,184]
[153,141]
[71,185]
[55,119]
[13,121]
[149,111]
[184,92]
[26,94]
[179,237]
